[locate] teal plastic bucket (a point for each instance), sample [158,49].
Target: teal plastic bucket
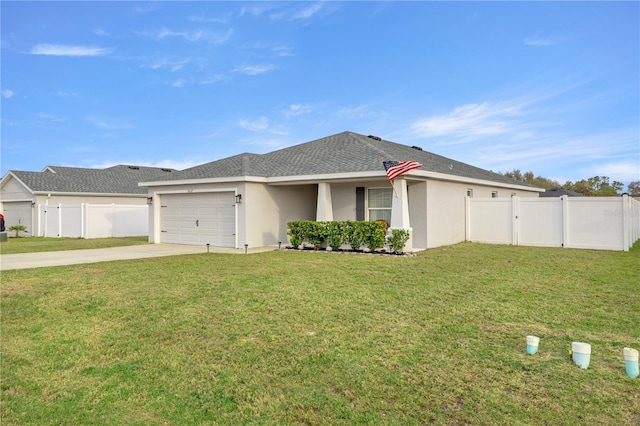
[532,344]
[631,362]
[581,354]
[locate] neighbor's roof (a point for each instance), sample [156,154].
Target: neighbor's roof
[345,152]
[559,192]
[122,179]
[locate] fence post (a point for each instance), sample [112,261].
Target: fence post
[39,221]
[113,220]
[626,217]
[565,220]
[82,221]
[467,221]
[59,220]
[515,225]
[87,221]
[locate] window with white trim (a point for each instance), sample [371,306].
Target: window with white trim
[379,204]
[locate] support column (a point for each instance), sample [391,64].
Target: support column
[400,210]
[324,209]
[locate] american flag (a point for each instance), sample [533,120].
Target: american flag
[395,168]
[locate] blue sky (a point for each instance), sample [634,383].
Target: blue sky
[551,87]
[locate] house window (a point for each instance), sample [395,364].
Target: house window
[494,194]
[379,204]
[469,193]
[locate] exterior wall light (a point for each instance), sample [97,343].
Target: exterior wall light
[149,200]
[238,198]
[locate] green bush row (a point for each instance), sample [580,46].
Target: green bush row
[334,234]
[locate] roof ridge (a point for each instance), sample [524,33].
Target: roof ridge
[366,140]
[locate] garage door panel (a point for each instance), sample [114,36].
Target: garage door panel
[199,219]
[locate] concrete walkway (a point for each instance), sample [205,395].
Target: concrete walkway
[73,257]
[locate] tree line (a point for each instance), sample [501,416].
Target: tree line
[596,186]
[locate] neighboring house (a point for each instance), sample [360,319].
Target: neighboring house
[247,199]
[21,191]
[559,192]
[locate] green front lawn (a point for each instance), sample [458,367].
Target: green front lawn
[318,338]
[37,244]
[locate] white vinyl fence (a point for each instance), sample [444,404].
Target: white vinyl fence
[92,220]
[604,223]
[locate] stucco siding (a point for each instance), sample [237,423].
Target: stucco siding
[269,208]
[343,198]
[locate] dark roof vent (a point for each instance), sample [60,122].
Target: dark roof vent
[134,167]
[417,147]
[166,170]
[375,138]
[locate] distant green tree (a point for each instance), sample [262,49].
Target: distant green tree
[530,178]
[596,186]
[634,188]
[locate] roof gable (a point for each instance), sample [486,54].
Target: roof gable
[122,179]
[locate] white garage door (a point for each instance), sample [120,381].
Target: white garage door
[198,218]
[18,213]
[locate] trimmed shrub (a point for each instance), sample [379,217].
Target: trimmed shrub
[353,234]
[296,233]
[398,239]
[317,233]
[335,234]
[373,234]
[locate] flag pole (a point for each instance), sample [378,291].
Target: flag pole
[393,187]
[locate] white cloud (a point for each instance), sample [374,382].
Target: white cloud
[541,41]
[260,125]
[212,79]
[298,109]
[108,124]
[253,69]
[61,50]
[622,171]
[193,35]
[283,51]
[215,20]
[100,32]
[7,93]
[51,118]
[551,154]
[308,11]
[181,82]
[256,9]
[170,65]
[145,8]
[471,121]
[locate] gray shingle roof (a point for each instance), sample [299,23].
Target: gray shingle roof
[122,179]
[340,153]
[559,192]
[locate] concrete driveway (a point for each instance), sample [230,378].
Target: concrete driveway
[73,257]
